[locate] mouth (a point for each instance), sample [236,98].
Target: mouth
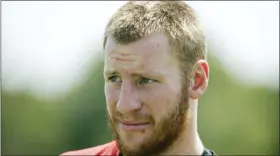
[133,126]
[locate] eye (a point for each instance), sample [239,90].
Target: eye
[115,79]
[146,80]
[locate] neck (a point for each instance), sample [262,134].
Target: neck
[188,143]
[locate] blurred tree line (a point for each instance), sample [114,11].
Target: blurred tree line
[233,118]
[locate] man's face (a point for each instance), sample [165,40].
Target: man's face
[146,101]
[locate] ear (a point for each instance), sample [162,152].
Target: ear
[199,79]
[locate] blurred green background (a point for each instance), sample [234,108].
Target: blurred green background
[234,118]
[52,85]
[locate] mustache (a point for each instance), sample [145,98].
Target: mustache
[136,116]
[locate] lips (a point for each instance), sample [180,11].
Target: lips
[134,123]
[133,126]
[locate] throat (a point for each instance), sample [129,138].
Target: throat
[187,145]
[189,142]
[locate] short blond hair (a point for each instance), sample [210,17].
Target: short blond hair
[137,19]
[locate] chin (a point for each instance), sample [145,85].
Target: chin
[131,141]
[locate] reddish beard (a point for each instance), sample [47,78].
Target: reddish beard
[167,131]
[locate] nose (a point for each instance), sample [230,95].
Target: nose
[128,101]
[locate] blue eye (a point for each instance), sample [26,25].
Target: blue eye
[115,79]
[146,80]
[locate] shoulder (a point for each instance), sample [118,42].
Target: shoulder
[105,149]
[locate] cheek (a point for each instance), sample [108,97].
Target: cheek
[159,101]
[111,98]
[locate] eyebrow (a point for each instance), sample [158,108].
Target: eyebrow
[136,74]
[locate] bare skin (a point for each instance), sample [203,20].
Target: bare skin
[146,101]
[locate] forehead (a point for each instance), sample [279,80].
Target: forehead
[150,54]
[149,45]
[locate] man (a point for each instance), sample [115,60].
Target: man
[155,72]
